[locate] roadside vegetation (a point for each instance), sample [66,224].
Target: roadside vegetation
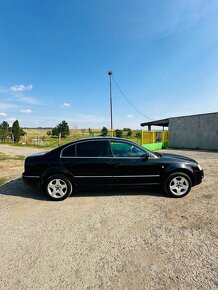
[4,156]
[49,138]
[2,180]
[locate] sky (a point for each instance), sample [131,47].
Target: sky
[55,57]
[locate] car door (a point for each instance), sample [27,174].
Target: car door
[133,165]
[89,162]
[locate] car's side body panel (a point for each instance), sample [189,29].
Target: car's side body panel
[89,171]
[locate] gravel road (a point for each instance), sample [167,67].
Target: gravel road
[138,239]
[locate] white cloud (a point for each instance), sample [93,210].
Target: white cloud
[129,116]
[65,105]
[19,88]
[7,106]
[26,111]
[28,100]
[3,114]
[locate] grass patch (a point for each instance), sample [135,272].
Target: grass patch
[2,181]
[7,157]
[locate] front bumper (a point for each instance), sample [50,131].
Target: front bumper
[198,176]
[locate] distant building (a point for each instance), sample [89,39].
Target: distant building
[191,132]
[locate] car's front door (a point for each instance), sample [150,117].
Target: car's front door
[89,162]
[132,165]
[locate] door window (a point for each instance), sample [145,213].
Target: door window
[120,149]
[93,149]
[69,151]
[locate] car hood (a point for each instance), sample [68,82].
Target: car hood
[175,157]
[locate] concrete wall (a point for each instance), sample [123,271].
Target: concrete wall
[195,132]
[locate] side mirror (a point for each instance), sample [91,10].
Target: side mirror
[145,156]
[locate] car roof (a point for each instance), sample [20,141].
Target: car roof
[101,138]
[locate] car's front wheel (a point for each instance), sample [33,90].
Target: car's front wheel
[178,184]
[58,187]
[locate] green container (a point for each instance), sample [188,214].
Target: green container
[153,146]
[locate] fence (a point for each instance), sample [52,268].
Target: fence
[154,140]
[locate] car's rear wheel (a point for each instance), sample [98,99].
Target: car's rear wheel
[58,187]
[178,184]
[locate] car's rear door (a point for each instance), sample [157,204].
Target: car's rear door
[89,162]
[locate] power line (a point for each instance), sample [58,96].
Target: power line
[131,104]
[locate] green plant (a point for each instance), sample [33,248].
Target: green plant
[118,133]
[4,126]
[62,129]
[128,131]
[16,131]
[2,180]
[104,131]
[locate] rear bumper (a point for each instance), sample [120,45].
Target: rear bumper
[31,180]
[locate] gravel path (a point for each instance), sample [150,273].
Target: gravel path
[18,150]
[138,239]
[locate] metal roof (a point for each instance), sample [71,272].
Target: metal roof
[163,122]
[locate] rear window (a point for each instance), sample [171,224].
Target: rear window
[93,149]
[69,151]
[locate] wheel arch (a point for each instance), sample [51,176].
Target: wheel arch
[53,171]
[174,169]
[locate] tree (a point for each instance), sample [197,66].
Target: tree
[90,132]
[119,133]
[62,129]
[16,131]
[22,132]
[4,127]
[128,131]
[138,134]
[104,131]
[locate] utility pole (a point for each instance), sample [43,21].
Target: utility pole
[111,108]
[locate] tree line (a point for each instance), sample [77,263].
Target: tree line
[14,132]
[61,130]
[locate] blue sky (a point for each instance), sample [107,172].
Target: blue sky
[55,55]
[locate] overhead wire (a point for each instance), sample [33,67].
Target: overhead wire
[130,103]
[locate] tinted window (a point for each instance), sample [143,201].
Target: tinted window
[69,151]
[93,149]
[126,150]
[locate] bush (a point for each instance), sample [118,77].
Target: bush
[104,131]
[118,133]
[62,129]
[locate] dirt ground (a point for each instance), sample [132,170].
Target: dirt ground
[132,239]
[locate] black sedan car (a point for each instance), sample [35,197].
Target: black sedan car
[109,161]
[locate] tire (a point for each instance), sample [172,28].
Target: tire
[178,184]
[58,187]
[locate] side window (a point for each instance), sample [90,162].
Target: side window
[120,149]
[69,151]
[93,149]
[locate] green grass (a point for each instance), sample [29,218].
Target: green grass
[2,180]
[7,157]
